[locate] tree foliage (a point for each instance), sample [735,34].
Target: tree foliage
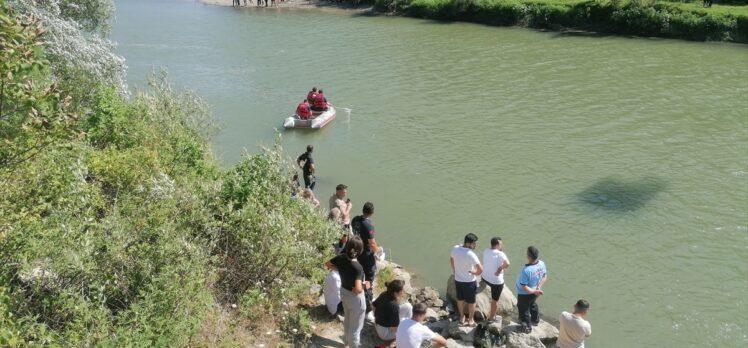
[33,111]
[118,228]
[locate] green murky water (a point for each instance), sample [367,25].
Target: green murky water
[625,161]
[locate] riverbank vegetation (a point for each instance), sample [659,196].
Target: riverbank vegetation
[673,19]
[117,226]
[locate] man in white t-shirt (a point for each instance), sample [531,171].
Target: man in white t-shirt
[573,327]
[411,333]
[331,292]
[494,264]
[466,267]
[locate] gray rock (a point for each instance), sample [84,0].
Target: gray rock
[544,332]
[495,327]
[429,296]
[507,301]
[520,340]
[452,343]
[462,333]
[431,315]
[439,326]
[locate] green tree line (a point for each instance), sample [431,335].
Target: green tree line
[672,19]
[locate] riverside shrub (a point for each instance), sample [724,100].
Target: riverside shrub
[634,17]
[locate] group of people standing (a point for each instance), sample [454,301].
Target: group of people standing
[529,286]
[348,285]
[315,101]
[237,3]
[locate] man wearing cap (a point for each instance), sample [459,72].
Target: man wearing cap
[573,328]
[466,266]
[340,200]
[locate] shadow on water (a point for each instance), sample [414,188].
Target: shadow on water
[619,196]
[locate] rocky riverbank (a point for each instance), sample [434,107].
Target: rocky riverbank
[441,318]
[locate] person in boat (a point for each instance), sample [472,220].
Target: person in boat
[311,95]
[320,102]
[304,110]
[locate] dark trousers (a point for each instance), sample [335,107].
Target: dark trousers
[528,309]
[309,181]
[369,264]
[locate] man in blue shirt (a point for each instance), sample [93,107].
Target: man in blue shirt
[529,286]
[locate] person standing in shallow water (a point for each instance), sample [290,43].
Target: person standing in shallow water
[466,266]
[529,286]
[306,163]
[352,287]
[573,328]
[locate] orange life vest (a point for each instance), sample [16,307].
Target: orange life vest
[320,102]
[303,110]
[311,95]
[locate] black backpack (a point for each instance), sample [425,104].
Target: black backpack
[485,339]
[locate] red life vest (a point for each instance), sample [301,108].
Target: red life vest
[303,110]
[320,102]
[311,95]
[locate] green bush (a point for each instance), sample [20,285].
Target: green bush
[268,239]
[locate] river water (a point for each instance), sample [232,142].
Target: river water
[624,160]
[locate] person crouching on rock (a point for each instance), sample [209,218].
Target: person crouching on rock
[388,311]
[411,333]
[494,264]
[351,290]
[466,267]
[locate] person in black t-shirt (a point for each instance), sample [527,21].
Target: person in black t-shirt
[364,228]
[352,287]
[306,163]
[388,311]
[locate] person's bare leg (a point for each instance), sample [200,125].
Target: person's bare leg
[494,309]
[461,310]
[471,314]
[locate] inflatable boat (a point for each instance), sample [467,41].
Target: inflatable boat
[318,120]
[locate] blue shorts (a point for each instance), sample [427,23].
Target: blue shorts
[466,291]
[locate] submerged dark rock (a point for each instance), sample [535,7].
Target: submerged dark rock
[618,195]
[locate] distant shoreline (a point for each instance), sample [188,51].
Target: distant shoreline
[685,21]
[304,4]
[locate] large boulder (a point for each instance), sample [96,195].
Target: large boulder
[520,340]
[544,331]
[452,343]
[507,301]
[429,296]
[399,273]
[461,332]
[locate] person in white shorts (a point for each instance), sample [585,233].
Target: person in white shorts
[411,333]
[573,327]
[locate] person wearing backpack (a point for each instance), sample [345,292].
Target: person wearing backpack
[364,228]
